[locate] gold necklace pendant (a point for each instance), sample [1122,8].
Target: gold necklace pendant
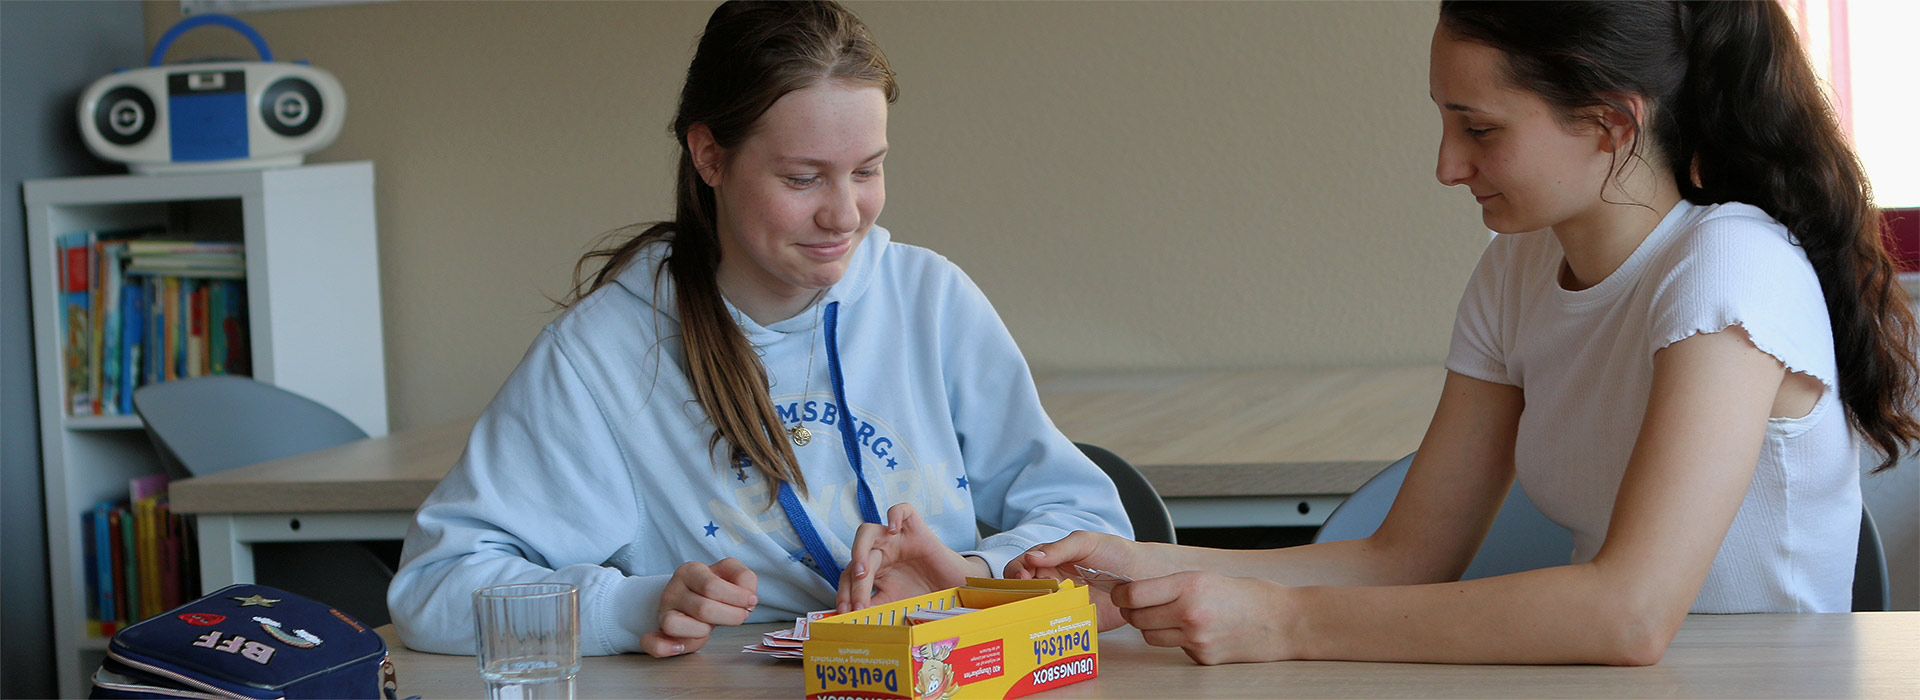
[801,435]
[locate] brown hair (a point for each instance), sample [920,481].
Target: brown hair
[750,55]
[1738,116]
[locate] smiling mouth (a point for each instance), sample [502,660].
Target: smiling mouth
[1483,198]
[830,250]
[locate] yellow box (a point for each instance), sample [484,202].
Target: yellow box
[1024,637]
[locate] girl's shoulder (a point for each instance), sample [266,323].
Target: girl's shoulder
[1734,236]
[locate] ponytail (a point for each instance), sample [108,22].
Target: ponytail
[727,377]
[1739,117]
[1751,125]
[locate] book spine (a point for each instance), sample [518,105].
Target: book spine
[130,542]
[112,253]
[103,566]
[133,315]
[95,353]
[90,554]
[119,529]
[172,299]
[74,335]
[197,356]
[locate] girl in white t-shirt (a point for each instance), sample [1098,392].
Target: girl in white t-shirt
[1686,323]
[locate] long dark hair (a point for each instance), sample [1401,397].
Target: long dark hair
[750,55]
[1737,116]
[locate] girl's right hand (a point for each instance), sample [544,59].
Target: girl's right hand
[1094,550]
[698,598]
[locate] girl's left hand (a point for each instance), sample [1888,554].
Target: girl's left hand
[1216,619]
[900,560]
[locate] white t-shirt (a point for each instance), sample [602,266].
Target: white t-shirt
[1584,361]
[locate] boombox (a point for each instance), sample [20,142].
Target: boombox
[212,116]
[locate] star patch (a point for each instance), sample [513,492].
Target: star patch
[960,482]
[710,528]
[256,599]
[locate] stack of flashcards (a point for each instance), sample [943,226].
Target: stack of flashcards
[933,614]
[787,645]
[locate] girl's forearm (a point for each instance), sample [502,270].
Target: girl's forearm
[1576,614]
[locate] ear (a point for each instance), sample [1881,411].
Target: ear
[1622,128]
[706,152]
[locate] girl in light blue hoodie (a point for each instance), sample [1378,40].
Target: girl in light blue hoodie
[712,430]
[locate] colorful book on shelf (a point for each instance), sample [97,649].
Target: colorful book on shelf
[113,257]
[96,315]
[116,541]
[76,328]
[130,549]
[201,259]
[133,315]
[170,296]
[153,247]
[89,557]
[239,345]
[103,568]
[104,262]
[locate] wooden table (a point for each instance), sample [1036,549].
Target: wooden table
[1250,447]
[1234,448]
[1858,655]
[365,490]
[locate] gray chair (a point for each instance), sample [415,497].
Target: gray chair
[1521,538]
[1870,587]
[1151,521]
[211,424]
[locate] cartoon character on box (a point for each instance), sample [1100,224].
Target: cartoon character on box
[933,676]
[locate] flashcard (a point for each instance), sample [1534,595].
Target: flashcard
[1103,580]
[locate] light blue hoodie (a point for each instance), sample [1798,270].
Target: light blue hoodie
[592,465]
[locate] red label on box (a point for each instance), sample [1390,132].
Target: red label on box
[978,663]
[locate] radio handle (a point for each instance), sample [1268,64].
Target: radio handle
[197,21]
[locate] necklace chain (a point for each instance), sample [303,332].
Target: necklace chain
[798,432]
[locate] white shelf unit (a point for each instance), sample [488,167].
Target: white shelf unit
[313,300]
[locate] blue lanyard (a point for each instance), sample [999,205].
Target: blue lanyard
[824,563]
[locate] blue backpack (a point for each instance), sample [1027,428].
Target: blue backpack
[247,641]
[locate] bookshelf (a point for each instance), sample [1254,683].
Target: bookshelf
[312,291]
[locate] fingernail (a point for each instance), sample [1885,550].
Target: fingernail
[860,571]
[1037,554]
[679,648]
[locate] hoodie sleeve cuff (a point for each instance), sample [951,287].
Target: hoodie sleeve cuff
[625,611]
[996,557]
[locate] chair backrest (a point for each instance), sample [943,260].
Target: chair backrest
[1521,538]
[1151,521]
[1870,586]
[212,424]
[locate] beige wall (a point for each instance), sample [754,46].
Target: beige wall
[1135,185]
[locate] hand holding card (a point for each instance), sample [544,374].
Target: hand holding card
[1103,580]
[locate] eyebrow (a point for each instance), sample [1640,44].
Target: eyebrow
[1455,107]
[821,163]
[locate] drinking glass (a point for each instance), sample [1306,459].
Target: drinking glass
[528,639]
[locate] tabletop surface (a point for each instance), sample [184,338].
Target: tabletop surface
[1727,656]
[1276,432]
